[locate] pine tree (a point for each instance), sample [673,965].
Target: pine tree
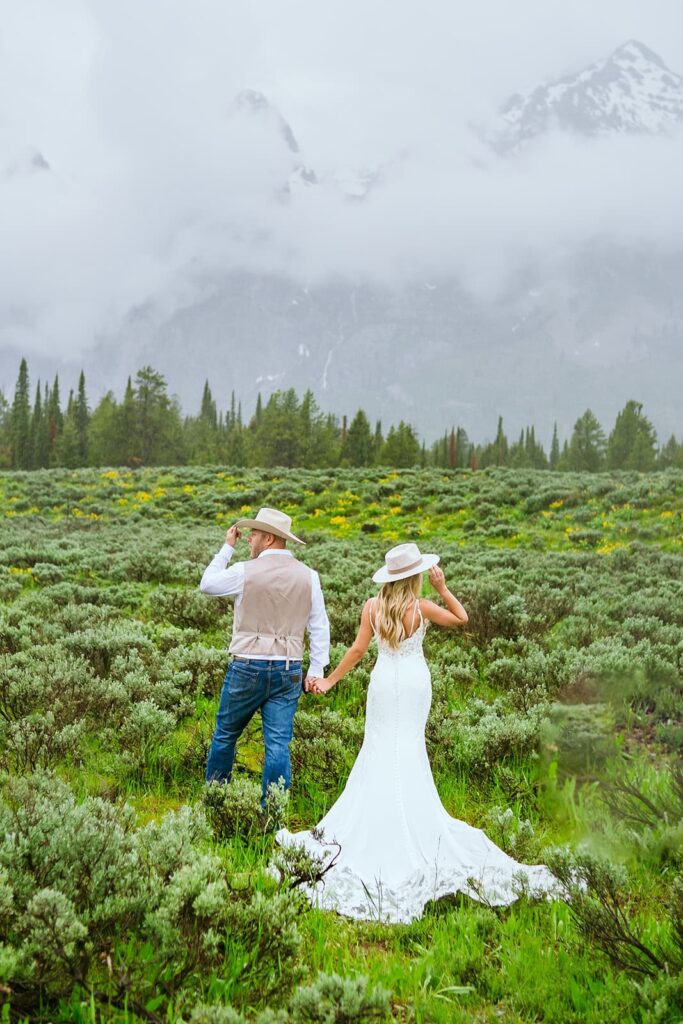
[126,446]
[401,448]
[206,435]
[358,446]
[55,422]
[452,450]
[633,440]
[66,451]
[20,421]
[275,433]
[554,448]
[82,421]
[671,455]
[208,414]
[563,461]
[463,446]
[587,445]
[36,431]
[501,445]
[537,456]
[377,442]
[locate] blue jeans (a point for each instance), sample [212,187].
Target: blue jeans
[250,686]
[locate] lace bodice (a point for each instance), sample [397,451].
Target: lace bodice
[410,646]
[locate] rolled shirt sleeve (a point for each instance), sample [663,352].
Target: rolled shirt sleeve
[318,627]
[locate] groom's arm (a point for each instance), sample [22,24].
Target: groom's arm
[318,631]
[221,579]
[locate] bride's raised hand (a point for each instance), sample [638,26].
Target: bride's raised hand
[437,579]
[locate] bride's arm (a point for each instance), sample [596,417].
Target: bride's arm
[353,655]
[453,614]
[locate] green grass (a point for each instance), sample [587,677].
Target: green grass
[461,962]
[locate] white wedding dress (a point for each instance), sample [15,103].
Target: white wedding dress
[399,846]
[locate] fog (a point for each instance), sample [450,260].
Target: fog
[157,185]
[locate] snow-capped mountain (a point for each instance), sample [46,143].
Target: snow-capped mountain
[632,91]
[428,350]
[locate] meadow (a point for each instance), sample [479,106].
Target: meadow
[129,891]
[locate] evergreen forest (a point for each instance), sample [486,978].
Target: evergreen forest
[146,427]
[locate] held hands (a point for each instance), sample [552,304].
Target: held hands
[317,686]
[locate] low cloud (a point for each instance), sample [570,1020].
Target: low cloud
[156,187]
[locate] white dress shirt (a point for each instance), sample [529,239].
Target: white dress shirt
[223,580]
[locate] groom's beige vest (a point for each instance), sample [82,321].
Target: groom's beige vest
[271,618]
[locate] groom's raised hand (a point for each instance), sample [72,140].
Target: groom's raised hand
[232,536]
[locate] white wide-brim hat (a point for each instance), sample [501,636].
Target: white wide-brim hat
[271,521]
[402,561]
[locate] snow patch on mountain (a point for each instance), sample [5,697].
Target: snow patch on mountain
[631,92]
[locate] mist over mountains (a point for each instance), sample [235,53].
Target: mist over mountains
[531,269]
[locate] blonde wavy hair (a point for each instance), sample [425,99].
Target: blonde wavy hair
[391,604]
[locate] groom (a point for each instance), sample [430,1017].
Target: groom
[277,598]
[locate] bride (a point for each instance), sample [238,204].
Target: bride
[397,846]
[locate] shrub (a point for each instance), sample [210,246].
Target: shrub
[184,607]
[235,808]
[332,999]
[596,892]
[324,746]
[483,735]
[85,897]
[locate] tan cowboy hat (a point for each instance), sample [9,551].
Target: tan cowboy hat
[402,561]
[270,521]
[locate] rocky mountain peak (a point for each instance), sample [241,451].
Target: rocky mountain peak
[255,104]
[630,92]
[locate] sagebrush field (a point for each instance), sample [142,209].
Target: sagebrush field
[130,892]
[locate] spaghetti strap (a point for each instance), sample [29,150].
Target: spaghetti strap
[416,607]
[372,622]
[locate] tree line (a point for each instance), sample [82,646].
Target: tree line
[146,426]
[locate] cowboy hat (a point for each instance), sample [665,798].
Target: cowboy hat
[402,561]
[269,520]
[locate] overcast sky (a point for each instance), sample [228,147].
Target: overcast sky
[155,183]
